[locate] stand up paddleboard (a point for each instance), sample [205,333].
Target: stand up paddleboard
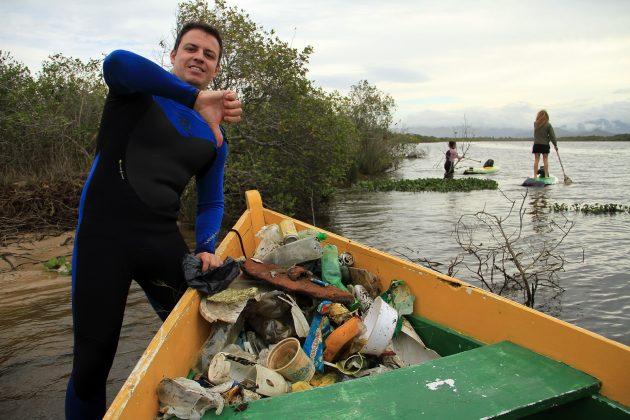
[540,181]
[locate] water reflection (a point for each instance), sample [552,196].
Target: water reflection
[538,209]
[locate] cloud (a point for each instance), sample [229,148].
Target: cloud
[396,74]
[33,30]
[495,62]
[376,76]
[340,82]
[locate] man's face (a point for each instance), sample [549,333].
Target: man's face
[196,60]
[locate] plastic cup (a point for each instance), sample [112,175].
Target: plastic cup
[288,359]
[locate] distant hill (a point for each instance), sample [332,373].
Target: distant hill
[421,138]
[597,127]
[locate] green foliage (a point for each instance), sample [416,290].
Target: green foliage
[60,265]
[608,208]
[48,123]
[429,184]
[415,138]
[371,111]
[293,144]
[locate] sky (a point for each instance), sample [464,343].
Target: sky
[487,64]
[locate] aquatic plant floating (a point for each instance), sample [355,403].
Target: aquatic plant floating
[429,184]
[607,208]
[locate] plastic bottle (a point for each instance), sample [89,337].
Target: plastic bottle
[306,249]
[306,233]
[331,273]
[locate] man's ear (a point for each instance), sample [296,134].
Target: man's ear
[172,55]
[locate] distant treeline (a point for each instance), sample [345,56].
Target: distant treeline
[419,138]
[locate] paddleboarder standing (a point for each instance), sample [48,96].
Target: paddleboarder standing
[543,134]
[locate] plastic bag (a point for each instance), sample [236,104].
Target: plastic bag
[399,296]
[222,335]
[366,279]
[270,239]
[271,318]
[299,320]
[211,281]
[187,399]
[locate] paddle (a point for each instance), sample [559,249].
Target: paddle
[567,180]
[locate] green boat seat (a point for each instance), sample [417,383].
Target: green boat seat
[498,380]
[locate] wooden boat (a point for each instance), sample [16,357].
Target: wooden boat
[502,359]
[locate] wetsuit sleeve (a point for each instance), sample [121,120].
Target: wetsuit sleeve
[210,202]
[126,73]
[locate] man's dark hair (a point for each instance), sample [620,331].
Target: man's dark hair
[210,30]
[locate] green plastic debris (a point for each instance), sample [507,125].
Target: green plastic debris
[399,296]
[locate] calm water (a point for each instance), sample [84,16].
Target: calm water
[35,319]
[420,225]
[36,346]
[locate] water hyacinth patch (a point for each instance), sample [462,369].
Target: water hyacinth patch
[608,208]
[428,184]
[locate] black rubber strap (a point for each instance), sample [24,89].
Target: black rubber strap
[240,240]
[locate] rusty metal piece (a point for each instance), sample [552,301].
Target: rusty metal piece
[296,273]
[301,285]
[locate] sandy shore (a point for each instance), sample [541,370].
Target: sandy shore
[21,263]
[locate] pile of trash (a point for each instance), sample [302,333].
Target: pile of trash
[294,317]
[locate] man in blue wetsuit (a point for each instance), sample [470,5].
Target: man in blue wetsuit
[158,130]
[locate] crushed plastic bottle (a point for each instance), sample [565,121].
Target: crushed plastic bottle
[306,249]
[306,233]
